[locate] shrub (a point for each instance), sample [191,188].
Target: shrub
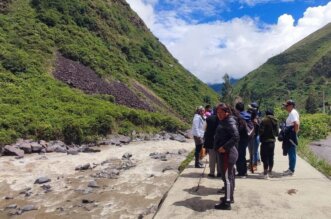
[315,126]
[72,133]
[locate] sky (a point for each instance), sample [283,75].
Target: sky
[211,38]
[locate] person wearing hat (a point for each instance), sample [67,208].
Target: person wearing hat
[291,130]
[268,131]
[198,131]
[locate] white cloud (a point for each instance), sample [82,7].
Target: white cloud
[236,47]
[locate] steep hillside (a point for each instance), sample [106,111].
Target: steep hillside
[87,68]
[301,69]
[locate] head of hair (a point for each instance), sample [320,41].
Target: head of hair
[240,106]
[224,107]
[269,112]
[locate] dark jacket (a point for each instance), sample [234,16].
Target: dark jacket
[212,123]
[227,136]
[268,129]
[290,139]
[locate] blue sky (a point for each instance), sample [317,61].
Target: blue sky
[214,37]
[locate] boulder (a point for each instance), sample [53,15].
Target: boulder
[73,151]
[36,147]
[42,180]
[28,208]
[26,147]
[93,184]
[127,156]
[13,151]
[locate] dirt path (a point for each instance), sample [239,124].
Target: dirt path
[134,192]
[322,148]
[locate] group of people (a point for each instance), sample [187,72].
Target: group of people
[226,133]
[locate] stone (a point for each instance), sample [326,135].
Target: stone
[13,151]
[46,187]
[26,147]
[83,167]
[60,149]
[182,151]
[127,156]
[87,201]
[36,147]
[93,184]
[8,197]
[28,208]
[73,151]
[42,180]
[12,206]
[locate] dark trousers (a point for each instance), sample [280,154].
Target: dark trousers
[241,162]
[228,177]
[267,155]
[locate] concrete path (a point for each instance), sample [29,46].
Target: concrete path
[307,194]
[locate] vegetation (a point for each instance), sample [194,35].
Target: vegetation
[294,74]
[186,162]
[103,35]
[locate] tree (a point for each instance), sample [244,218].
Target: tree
[311,105]
[227,95]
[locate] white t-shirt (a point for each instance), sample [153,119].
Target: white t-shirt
[293,116]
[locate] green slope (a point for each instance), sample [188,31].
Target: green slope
[303,68]
[103,35]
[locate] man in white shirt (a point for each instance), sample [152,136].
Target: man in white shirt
[292,124]
[198,131]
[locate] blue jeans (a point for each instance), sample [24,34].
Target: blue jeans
[256,143]
[292,157]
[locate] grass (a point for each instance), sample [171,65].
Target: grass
[187,161]
[107,37]
[306,153]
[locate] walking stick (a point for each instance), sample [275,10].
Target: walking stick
[203,172]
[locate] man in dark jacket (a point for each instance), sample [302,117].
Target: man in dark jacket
[212,123]
[226,141]
[268,131]
[244,140]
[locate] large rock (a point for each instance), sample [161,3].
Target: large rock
[36,147]
[83,167]
[13,151]
[26,147]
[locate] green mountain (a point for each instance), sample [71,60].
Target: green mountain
[302,70]
[77,69]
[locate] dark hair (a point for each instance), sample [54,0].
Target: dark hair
[224,107]
[240,106]
[269,112]
[207,106]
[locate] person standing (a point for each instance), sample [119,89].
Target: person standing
[212,123]
[226,141]
[243,118]
[268,131]
[198,130]
[254,146]
[291,138]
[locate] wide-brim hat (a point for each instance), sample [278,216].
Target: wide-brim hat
[288,103]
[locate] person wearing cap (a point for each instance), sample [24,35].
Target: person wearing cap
[198,130]
[268,131]
[290,138]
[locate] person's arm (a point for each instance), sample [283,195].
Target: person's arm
[296,126]
[233,130]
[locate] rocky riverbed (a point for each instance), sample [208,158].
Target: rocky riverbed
[117,182]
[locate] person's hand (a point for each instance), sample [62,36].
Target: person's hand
[221,150]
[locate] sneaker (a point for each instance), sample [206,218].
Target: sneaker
[222,199]
[198,165]
[223,206]
[242,176]
[270,173]
[287,173]
[222,190]
[265,176]
[211,175]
